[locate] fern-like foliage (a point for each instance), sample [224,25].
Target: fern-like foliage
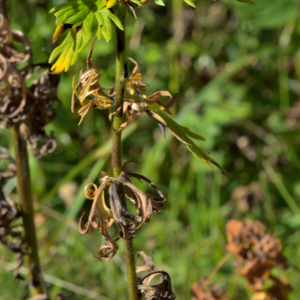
[77,18]
[191,3]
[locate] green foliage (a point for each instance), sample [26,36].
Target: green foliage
[184,135]
[161,2]
[77,17]
[233,84]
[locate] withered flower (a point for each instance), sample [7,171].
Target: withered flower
[202,290]
[256,249]
[89,86]
[32,107]
[102,217]
[136,102]
[154,291]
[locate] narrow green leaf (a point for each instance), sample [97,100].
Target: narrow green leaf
[247,2]
[182,134]
[160,2]
[80,16]
[100,20]
[78,42]
[58,50]
[191,3]
[72,4]
[87,30]
[65,52]
[107,29]
[63,11]
[70,13]
[113,17]
[100,4]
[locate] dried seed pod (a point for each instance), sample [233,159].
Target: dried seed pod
[154,291]
[89,86]
[102,217]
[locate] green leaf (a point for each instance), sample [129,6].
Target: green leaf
[191,3]
[107,29]
[245,1]
[64,11]
[105,26]
[100,21]
[78,42]
[64,52]
[87,30]
[72,4]
[159,2]
[183,134]
[79,17]
[113,17]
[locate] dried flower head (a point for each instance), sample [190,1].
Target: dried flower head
[150,290]
[89,86]
[32,107]
[256,249]
[102,217]
[202,290]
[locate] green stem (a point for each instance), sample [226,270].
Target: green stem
[25,200]
[121,76]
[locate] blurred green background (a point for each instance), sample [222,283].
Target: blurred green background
[237,70]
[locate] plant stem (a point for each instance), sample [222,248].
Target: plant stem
[3,8]
[121,76]
[25,199]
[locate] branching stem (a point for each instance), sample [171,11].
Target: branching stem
[121,76]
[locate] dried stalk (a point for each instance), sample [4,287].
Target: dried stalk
[25,199]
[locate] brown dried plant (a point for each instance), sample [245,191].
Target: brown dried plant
[203,290]
[32,107]
[92,96]
[10,233]
[258,252]
[89,86]
[147,286]
[102,217]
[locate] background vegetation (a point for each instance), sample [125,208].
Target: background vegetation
[237,70]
